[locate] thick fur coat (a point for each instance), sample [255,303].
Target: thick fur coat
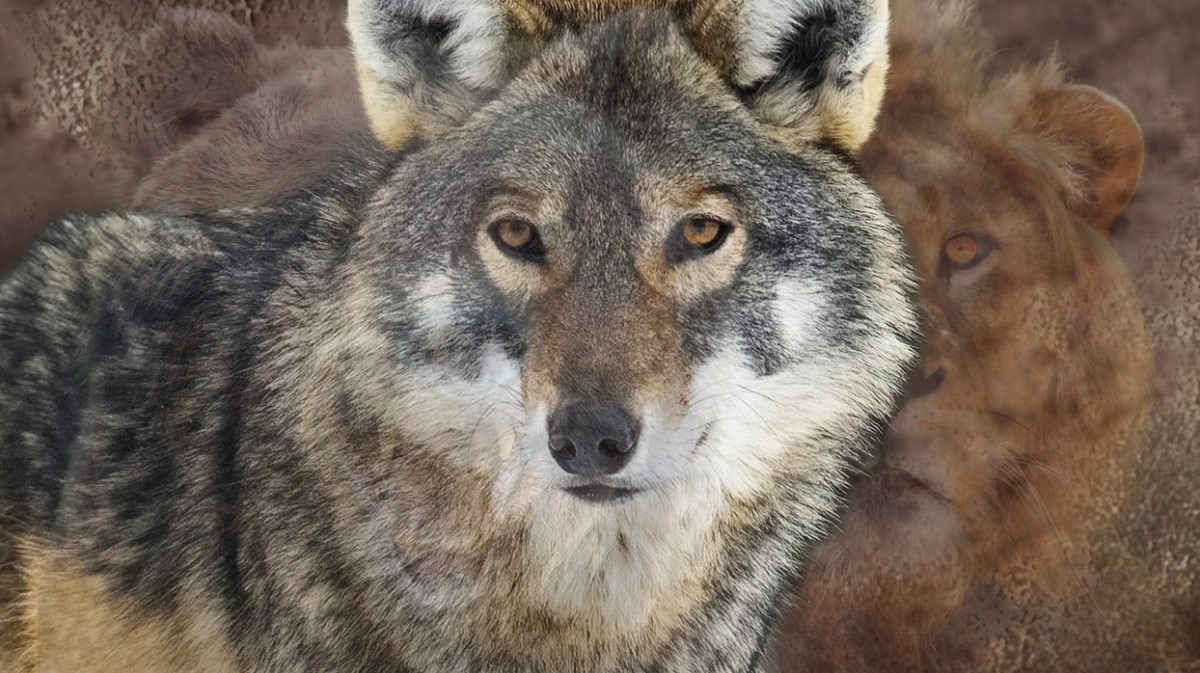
[318,435]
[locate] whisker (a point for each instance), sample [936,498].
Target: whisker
[1012,420]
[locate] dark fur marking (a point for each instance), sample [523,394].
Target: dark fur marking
[806,50]
[228,493]
[434,30]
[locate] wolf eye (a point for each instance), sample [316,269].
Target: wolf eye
[702,232]
[697,236]
[964,251]
[518,238]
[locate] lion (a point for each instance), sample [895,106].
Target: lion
[984,537]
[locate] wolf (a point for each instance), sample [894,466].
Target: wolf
[563,370]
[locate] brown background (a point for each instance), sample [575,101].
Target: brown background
[1144,53]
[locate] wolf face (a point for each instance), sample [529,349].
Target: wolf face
[631,309]
[644,239]
[650,268]
[568,381]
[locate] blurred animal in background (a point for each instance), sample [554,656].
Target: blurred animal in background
[92,93]
[312,114]
[568,372]
[985,538]
[156,74]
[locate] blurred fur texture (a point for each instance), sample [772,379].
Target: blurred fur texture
[311,434]
[986,537]
[131,81]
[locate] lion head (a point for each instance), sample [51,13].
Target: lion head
[1036,374]
[981,538]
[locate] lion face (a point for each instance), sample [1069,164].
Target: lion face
[1014,437]
[1035,360]
[1020,431]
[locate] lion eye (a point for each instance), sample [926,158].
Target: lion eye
[697,236]
[518,238]
[964,251]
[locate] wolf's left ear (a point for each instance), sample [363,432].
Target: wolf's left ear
[814,69]
[424,63]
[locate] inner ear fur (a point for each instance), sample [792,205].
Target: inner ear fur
[1103,146]
[422,64]
[813,69]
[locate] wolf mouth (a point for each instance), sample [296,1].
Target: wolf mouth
[601,494]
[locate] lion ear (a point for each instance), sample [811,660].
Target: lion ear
[1103,146]
[814,69]
[423,64]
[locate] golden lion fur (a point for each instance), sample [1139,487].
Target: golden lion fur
[986,538]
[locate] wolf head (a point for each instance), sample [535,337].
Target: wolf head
[614,291]
[617,223]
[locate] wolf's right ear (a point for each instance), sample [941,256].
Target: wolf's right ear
[423,63]
[813,69]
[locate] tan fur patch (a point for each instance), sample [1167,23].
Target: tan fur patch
[575,338]
[512,276]
[73,624]
[540,17]
[392,116]
[848,116]
[666,205]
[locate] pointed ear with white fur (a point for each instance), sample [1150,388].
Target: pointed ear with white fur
[422,64]
[814,69]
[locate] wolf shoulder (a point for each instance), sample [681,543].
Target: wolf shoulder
[103,291]
[84,266]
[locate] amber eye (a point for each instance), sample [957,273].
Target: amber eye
[697,236]
[964,251]
[702,232]
[518,238]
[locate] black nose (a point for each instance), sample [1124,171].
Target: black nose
[592,439]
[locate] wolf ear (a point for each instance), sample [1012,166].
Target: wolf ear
[1103,149]
[424,63]
[815,69]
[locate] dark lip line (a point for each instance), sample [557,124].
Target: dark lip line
[601,493]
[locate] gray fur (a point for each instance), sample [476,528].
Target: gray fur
[215,413]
